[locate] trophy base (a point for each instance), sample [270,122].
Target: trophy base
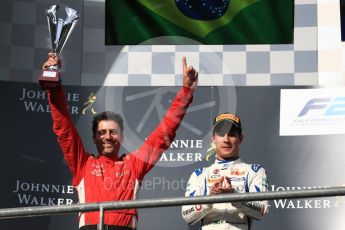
[49,79]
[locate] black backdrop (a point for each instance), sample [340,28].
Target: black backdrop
[34,173]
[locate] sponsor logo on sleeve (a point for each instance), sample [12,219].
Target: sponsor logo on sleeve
[256,167]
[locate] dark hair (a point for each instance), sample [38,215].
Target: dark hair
[106,115]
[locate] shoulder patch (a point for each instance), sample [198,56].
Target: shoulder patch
[198,171]
[256,167]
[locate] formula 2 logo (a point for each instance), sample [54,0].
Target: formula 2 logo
[328,106]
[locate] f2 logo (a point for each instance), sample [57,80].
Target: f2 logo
[330,106]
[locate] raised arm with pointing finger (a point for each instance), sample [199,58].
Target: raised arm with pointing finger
[107,176]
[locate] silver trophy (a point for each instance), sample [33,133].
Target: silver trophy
[60,30]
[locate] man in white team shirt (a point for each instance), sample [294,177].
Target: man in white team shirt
[228,174]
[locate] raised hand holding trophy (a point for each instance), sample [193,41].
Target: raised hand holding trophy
[59,30]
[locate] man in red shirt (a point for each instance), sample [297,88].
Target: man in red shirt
[106,176]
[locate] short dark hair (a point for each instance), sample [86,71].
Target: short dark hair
[106,115]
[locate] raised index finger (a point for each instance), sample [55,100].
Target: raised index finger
[184,63]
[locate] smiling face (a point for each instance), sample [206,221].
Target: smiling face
[227,140]
[108,138]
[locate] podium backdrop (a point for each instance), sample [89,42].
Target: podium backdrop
[34,172]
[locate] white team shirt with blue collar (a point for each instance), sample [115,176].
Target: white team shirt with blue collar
[233,215]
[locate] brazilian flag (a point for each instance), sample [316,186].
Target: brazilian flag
[182,22]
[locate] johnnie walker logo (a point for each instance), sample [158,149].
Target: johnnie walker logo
[37,101]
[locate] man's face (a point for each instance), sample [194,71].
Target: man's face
[227,141]
[108,138]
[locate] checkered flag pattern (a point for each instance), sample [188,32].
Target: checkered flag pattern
[87,61]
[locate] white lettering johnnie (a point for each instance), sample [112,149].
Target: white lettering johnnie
[47,188]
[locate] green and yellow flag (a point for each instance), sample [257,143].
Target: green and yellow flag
[179,22]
